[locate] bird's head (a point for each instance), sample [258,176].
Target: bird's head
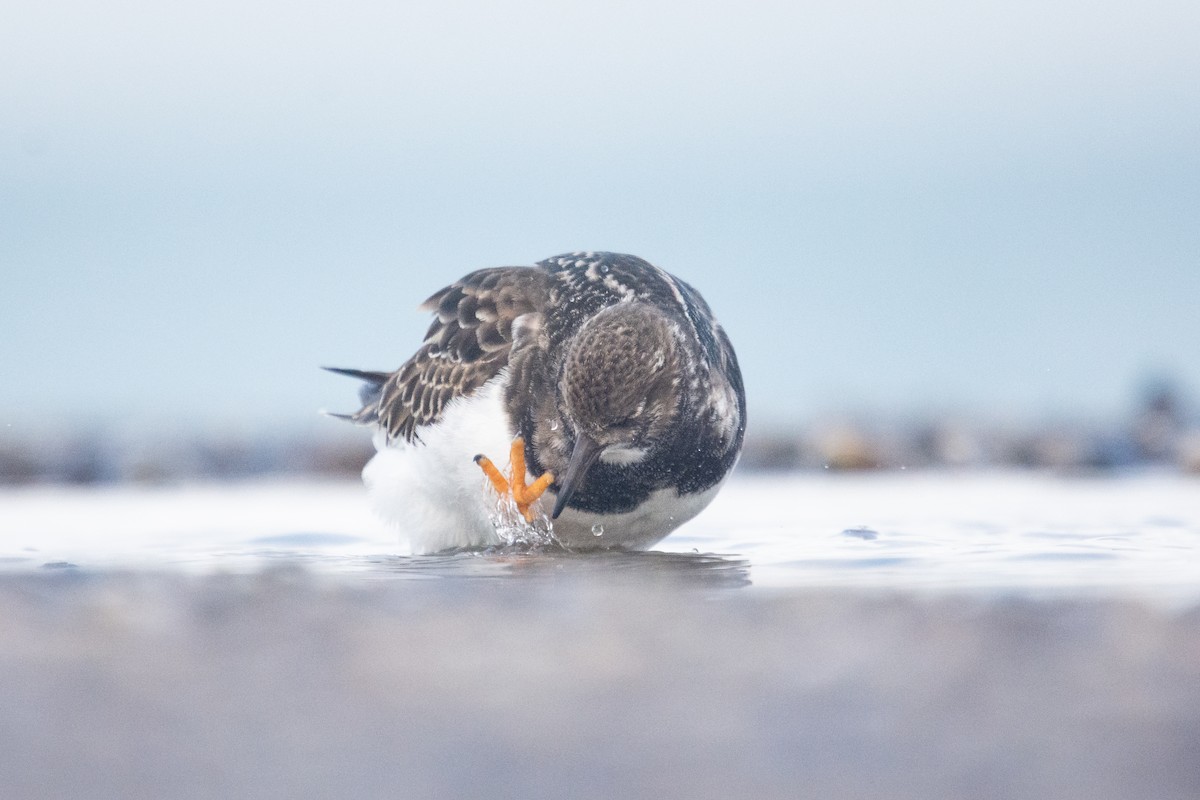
[619,390]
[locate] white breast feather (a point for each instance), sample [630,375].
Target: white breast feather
[433,492]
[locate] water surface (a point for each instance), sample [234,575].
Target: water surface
[932,532]
[855,636]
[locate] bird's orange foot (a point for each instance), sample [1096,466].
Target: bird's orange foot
[525,495]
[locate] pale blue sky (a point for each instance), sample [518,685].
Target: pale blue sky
[989,207]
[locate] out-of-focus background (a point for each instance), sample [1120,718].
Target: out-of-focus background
[957,247]
[937,233]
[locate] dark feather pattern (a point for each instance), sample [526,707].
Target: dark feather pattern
[698,451]
[467,345]
[526,319]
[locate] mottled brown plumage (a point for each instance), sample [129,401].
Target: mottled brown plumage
[614,373]
[467,344]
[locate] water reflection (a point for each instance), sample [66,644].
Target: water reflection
[707,570]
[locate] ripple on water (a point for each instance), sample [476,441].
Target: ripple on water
[851,563]
[860,533]
[1060,555]
[555,564]
[307,539]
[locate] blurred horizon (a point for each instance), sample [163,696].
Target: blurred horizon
[1163,436]
[985,211]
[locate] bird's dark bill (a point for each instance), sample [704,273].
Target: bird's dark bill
[582,458]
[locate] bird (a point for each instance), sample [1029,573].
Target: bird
[606,380]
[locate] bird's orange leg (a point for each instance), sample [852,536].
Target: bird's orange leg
[531,493]
[493,474]
[524,495]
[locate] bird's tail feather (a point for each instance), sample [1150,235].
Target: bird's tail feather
[370,392]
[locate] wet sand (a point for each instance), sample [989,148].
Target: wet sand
[611,683]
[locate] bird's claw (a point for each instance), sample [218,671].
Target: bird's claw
[524,495]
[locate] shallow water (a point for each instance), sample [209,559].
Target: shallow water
[843,636]
[991,533]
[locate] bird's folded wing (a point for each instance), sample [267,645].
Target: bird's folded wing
[467,345]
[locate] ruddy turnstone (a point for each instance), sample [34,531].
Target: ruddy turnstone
[607,381]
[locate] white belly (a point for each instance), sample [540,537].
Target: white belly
[663,512]
[432,491]
[437,498]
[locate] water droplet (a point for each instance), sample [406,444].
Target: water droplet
[554,425]
[597,529]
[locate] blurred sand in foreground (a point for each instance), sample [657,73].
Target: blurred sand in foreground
[285,684]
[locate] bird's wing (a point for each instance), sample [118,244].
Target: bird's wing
[467,345]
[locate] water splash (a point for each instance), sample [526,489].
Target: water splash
[512,529]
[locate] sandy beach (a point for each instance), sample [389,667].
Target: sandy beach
[287,684]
